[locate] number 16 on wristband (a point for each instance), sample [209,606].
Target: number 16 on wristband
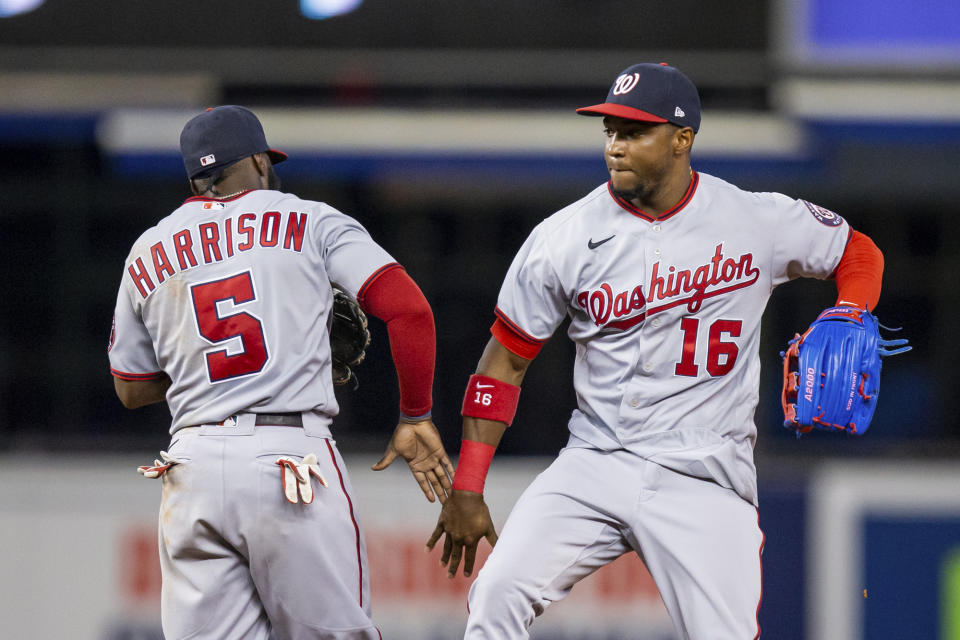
[490,399]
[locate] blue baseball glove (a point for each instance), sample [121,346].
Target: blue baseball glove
[831,374]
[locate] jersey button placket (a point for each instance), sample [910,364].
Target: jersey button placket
[647,367]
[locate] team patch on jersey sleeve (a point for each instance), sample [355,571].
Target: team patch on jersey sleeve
[824,216]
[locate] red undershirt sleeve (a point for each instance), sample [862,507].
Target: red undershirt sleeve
[395,298]
[515,342]
[860,272]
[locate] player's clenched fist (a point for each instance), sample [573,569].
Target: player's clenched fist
[464,519]
[420,445]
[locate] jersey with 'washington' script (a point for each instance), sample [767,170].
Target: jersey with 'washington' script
[231,298]
[665,314]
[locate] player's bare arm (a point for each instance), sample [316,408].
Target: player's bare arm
[139,393]
[465,518]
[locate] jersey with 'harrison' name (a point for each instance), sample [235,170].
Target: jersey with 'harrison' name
[231,298]
[665,314]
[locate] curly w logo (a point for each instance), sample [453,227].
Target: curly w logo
[625,84]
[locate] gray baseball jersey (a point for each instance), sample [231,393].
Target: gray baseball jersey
[231,299]
[666,314]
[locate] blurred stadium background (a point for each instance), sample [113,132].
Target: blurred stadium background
[448,130]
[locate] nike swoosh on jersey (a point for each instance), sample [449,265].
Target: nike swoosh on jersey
[593,245]
[484,386]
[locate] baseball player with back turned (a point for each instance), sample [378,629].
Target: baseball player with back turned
[224,312]
[664,273]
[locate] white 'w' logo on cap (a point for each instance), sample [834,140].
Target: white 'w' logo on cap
[625,84]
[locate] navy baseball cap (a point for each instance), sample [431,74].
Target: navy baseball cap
[652,93]
[221,136]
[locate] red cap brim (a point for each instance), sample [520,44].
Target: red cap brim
[276,155]
[619,111]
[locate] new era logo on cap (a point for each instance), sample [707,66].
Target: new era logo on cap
[678,112]
[208,160]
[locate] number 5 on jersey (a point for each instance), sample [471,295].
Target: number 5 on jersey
[218,329]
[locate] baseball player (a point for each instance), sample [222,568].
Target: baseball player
[664,273]
[224,312]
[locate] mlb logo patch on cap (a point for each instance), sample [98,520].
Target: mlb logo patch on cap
[208,160]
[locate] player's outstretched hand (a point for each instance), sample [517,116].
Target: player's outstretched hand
[420,445]
[465,519]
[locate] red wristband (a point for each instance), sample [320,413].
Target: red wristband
[490,399]
[472,466]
